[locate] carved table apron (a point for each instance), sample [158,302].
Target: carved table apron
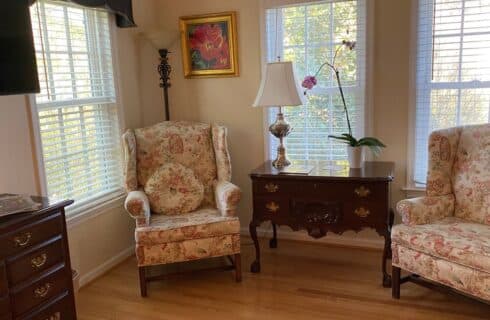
[329,199]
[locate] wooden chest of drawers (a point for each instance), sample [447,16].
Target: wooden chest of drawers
[35,271]
[329,199]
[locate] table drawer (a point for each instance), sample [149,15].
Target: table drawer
[49,286]
[3,280]
[31,235]
[61,308]
[4,306]
[35,261]
[271,206]
[270,186]
[348,191]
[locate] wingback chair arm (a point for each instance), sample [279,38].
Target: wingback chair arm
[424,210]
[227,197]
[138,207]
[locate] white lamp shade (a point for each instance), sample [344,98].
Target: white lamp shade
[161,39]
[279,87]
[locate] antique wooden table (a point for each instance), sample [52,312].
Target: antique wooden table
[331,198]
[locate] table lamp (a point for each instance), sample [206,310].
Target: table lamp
[279,88]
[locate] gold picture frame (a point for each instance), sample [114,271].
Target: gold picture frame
[209,45]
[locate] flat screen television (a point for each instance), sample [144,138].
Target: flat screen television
[18,71]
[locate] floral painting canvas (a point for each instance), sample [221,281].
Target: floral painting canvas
[209,45]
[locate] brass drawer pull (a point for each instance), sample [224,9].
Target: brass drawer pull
[271,187]
[272,207]
[362,192]
[39,261]
[55,316]
[42,291]
[23,239]
[362,212]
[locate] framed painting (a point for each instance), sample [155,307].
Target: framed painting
[209,45]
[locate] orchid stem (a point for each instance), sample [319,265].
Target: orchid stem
[337,75]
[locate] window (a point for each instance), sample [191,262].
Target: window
[308,33]
[453,70]
[76,108]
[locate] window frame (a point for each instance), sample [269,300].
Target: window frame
[99,204]
[264,5]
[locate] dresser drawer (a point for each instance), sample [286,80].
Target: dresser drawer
[35,261]
[60,309]
[31,235]
[272,207]
[40,291]
[4,306]
[270,186]
[3,280]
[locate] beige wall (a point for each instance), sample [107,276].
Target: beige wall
[228,100]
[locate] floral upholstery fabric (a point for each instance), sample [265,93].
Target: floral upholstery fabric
[424,210]
[227,197]
[130,178]
[203,223]
[188,250]
[174,189]
[471,174]
[452,239]
[220,146]
[187,143]
[138,206]
[469,280]
[442,152]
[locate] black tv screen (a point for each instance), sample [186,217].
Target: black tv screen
[18,71]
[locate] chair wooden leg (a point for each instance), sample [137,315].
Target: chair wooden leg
[142,272]
[395,282]
[238,268]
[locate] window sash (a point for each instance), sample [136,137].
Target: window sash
[309,141]
[77,111]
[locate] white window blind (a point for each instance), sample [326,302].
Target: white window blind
[453,70]
[308,34]
[77,105]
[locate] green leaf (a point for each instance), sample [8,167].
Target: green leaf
[374,144]
[346,138]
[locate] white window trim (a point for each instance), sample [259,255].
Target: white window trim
[104,203]
[368,90]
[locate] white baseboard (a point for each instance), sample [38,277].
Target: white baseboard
[331,239]
[106,266]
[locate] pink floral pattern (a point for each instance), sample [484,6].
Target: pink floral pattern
[220,146]
[129,144]
[138,206]
[187,143]
[469,280]
[451,238]
[227,197]
[204,223]
[424,210]
[187,250]
[174,189]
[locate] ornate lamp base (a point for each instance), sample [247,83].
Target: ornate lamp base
[280,129]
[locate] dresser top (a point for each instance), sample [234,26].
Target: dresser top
[330,170]
[47,205]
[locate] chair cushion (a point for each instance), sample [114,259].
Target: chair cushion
[203,223]
[471,174]
[174,189]
[452,239]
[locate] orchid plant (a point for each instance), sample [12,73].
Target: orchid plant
[310,82]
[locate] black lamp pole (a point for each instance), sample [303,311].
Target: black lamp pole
[164,69]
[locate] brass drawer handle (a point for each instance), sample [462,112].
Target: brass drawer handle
[362,192]
[271,187]
[362,212]
[43,290]
[23,239]
[55,316]
[272,207]
[39,261]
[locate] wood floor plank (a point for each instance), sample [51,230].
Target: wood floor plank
[298,281]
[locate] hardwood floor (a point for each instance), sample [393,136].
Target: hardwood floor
[298,281]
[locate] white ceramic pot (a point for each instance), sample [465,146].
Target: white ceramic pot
[355,156]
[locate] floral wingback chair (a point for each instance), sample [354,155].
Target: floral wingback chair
[445,236]
[177,176]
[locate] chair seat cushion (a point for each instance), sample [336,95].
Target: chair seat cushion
[203,223]
[452,239]
[174,189]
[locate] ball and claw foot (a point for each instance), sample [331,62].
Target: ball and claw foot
[255,267]
[273,243]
